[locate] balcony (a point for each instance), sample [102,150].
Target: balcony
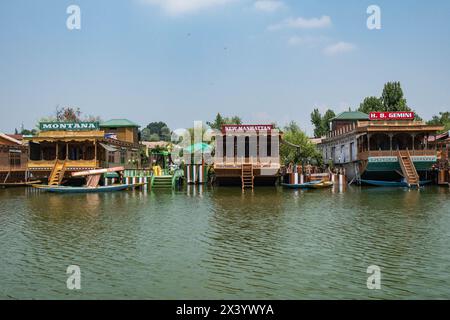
[70,164]
[393,153]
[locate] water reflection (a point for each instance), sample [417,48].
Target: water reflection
[203,242]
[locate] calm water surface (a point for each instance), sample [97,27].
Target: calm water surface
[219,243]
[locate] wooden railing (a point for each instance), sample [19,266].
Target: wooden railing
[20,167]
[256,162]
[44,164]
[393,153]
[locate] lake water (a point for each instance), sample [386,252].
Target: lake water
[205,243]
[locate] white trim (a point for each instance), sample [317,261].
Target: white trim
[4,136]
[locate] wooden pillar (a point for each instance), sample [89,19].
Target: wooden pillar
[67,151]
[413,135]
[390,142]
[95,152]
[57,149]
[368,142]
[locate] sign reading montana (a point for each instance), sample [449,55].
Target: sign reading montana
[68,126]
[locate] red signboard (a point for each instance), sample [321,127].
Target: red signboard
[397,115]
[230,128]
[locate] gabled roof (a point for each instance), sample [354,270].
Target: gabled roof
[118,123]
[11,139]
[351,115]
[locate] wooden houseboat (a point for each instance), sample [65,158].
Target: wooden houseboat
[380,146]
[13,160]
[61,148]
[247,155]
[442,143]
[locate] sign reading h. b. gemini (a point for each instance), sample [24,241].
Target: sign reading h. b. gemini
[74,126]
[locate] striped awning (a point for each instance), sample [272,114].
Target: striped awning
[108,147]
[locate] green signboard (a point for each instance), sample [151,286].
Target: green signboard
[68,126]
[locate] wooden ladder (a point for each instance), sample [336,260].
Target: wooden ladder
[408,168]
[57,173]
[247,176]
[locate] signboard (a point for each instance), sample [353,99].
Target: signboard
[68,126]
[111,136]
[230,128]
[398,115]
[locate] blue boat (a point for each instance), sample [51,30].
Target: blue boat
[380,183]
[306,185]
[64,189]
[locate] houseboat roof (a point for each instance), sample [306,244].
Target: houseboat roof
[351,115]
[10,138]
[118,123]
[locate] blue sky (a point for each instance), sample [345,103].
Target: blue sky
[183,60]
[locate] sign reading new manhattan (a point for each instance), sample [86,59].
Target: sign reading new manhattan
[71,126]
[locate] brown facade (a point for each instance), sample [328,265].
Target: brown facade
[79,150]
[13,160]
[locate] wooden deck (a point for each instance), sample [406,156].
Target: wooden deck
[70,164]
[393,153]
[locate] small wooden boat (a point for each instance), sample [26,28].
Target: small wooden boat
[18,184]
[322,185]
[65,189]
[380,183]
[306,185]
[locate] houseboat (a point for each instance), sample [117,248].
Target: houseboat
[247,155]
[13,160]
[442,143]
[381,146]
[61,148]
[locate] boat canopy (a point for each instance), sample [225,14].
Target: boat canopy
[108,147]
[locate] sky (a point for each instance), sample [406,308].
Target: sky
[183,60]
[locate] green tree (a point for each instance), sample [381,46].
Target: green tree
[371,104]
[68,114]
[219,121]
[156,131]
[321,123]
[392,97]
[295,136]
[443,119]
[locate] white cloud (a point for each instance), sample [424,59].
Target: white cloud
[306,41]
[303,23]
[178,7]
[268,5]
[338,48]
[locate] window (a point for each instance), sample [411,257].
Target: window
[14,159]
[123,155]
[352,146]
[111,157]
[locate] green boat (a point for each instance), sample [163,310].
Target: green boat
[379,183]
[306,185]
[65,189]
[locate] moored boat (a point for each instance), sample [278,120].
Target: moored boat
[380,183]
[306,185]
[66,189]
[322,185]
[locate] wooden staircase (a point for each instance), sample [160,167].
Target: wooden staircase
[247,176]
[57,173]
[408,168]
